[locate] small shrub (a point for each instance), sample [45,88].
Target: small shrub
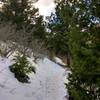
[21,68]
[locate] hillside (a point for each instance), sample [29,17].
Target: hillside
[46,84]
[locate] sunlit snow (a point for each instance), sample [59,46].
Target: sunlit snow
[46,84]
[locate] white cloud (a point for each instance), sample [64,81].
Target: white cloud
[45,2]
[45,7]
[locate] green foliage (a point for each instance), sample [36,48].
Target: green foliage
[20,12]
[39,30]
[83,40]
[23,14]
[57,42]
[95,8]
[21,68]
[86,64]
[57,38]
[25,18]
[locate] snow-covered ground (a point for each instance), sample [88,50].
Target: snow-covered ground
[46,84]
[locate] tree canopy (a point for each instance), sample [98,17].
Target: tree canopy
[80,21]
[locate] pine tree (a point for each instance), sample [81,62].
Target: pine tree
[24,15]
[20,12]
[84,45]
[21,68]
[39,30]
[59,25]
[26,20]
[83,42]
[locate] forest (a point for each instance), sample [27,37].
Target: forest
[71,33]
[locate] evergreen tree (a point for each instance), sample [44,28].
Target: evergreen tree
[26,19]
[20,12]
[21,68]
[59,25]
[24,15]
[83,39]
[39,30]
[85,79]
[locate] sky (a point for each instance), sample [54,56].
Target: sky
[45,7]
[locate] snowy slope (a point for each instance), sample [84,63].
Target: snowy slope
[46,84]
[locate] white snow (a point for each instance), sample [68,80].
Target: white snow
[59,61]
[46,84]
